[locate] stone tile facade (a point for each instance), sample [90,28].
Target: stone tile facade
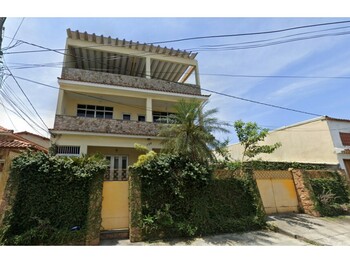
[83,124]
[303,193]
[128,81]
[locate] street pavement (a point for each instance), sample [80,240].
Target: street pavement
[289,230]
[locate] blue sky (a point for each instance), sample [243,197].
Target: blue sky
[327,56]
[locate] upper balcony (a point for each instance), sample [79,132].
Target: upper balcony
[108,126]
[112,61]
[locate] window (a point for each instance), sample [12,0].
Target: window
[93,111]
[126,117]
[141,118]
[162,117]
[117,168]
[68,150]
[345,138]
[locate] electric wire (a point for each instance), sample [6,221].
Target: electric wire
[25,95]
[16,32]
[210,91]
[250,33]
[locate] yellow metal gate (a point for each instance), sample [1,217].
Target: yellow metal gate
[277,191]
[115,205]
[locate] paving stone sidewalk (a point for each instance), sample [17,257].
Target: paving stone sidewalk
[328,231]
[254,238]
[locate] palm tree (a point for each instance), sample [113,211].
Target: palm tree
[190,131]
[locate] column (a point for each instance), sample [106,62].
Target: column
[198,83]
[83,149]
[148,67]
[149,114]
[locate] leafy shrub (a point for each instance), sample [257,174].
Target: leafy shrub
[331,195]
[52,195]
[179,197]
[267,165]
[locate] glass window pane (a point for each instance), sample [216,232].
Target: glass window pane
[90,114]
[81,113]
[109,108]
[141,118]
[81,106]
[108,115]
[99,114]
[91,107]
[126,117]
[100,108]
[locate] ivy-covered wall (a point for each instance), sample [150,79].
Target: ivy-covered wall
[329,191]
[176,197]
[53,200]
[267,165]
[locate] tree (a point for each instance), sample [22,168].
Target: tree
[249,135]
[190,131]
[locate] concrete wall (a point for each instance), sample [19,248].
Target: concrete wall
[306,143]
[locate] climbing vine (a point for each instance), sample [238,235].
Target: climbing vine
[53,200]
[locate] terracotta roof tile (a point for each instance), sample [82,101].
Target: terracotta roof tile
[2,129]
[14,144]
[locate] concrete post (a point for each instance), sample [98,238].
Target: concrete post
[148,67]
[149,114]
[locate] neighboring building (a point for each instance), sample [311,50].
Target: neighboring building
[323,140]
[11,145]
[37,139]
[113,94]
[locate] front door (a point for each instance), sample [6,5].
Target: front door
[115,206]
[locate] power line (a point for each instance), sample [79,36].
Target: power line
[262,103]
[211,91]
[14,78]
[235,47]
[13,104]
[251,33]
[8,116]
[15,33]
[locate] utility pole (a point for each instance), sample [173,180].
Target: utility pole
[2,21]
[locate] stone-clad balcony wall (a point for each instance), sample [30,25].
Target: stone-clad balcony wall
[128,81]
[110,126]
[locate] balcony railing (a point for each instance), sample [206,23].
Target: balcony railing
[129,81]
[111,126]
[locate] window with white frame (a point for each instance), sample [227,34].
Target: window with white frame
[68,150]
[94,111]
[162,117]
[126,116]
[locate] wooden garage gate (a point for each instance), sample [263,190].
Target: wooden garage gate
[277,191]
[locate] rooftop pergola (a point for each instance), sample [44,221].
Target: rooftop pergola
[113,55]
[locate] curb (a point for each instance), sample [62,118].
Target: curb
[276,229]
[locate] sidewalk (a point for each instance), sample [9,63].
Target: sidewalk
[254,238]
[328,231]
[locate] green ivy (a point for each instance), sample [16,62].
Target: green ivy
[53,199]
[330,194]
[267,165]
[180,197]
